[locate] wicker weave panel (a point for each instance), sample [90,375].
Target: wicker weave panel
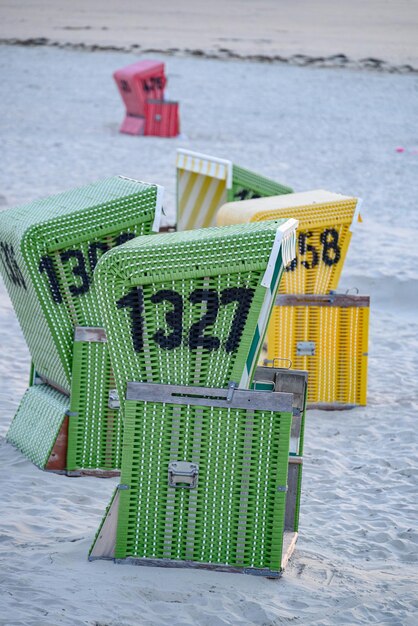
[247,184]
[37,423]
[95,430]
[189,308]
[338,369]
[324,233]
[48,250]
[235,516]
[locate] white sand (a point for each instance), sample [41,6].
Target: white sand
[356,558]
[381,30]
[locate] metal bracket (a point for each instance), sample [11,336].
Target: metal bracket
[93,334]
[275,363]
[231,389]
[282,489]
[123,487]
[114,402]
[305,348]
[182,474]
[209,396]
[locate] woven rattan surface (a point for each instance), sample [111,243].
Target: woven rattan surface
[190,307]
[38,420]
[336,332]
[95,429]
[324,233]
[49,249]
[247,184]
[235,515]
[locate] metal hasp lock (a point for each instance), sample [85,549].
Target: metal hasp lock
[305,348]
[182,474]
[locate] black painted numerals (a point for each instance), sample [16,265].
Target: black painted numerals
[125,86]
[11,267]
[96,249]
[123,238]
[78,270]
[134,301]
[244,298]
[305,247]
[174,319]
[154,82]
[198,335]
[245,194]
[46,265]
[330,253]
[78,267]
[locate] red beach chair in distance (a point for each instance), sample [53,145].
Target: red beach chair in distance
[137,83]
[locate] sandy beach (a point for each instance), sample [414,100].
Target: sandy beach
[355,34]
[353,132]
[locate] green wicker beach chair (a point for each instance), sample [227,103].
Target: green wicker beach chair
[205,183]
[203,482]
[191,308]
[48,251]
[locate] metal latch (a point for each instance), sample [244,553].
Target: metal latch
[305,348]
[114,402]
[183,474]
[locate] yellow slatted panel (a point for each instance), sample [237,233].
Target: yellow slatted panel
[202,183]
[199,198]
[338,368]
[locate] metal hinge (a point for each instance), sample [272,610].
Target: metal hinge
[231,389]
[114,402]
[93,334]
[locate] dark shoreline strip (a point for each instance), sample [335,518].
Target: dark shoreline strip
[301,60]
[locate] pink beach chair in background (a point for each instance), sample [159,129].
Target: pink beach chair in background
[141,86]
